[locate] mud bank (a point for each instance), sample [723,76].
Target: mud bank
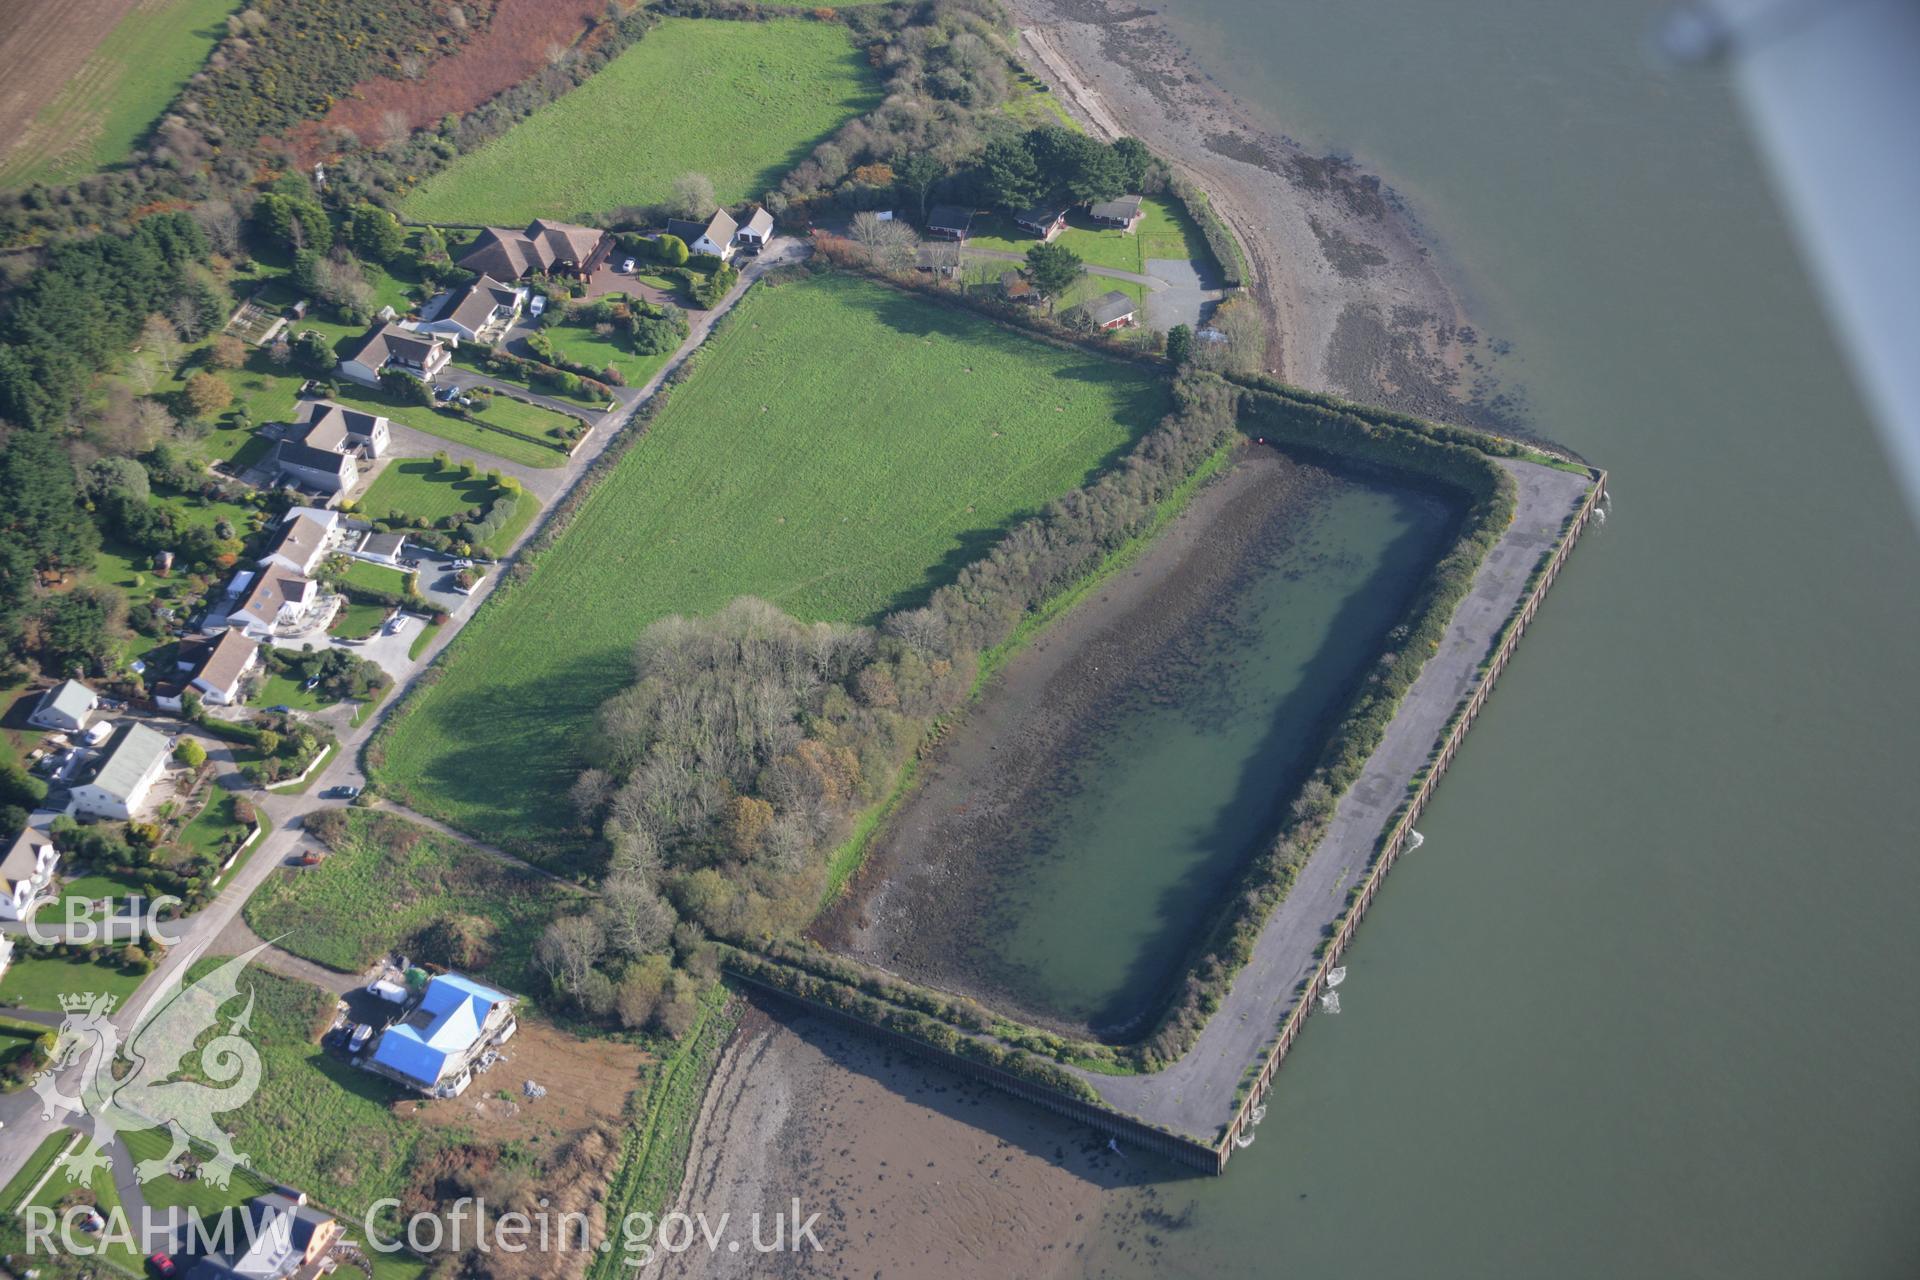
[913,1171]
[1354,302]
[1067,841]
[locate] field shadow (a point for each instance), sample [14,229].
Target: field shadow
[917,317]
[517,750]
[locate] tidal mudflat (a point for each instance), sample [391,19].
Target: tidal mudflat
[1068,843]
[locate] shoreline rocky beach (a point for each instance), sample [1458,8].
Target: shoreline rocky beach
[916,1171]
[1354,301]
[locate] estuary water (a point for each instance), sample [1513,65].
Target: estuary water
[1643,1003]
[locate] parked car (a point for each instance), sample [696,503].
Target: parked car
[538,305]
[340,793]
[444,394]
[279,708]
[361,1034]
[311,685]
[628,266]
[161,1265]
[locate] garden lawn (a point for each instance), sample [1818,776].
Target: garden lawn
[121,89]
[36,982]
[1165,231]
[388,879]
[840,450]
[417,487]
[530,420]
[374,577]
[357,621]
[213,827]
[581,343]
[282,690]
[742,102]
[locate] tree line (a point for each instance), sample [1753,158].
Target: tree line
[749,742]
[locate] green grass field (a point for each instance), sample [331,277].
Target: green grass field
[388,880]
[122,88]
[741,102]
[836,487]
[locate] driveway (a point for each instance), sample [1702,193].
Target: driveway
[1177,291]
[466,379]
[1189,297]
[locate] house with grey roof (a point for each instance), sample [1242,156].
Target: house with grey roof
[950,222]
[544,248]
[1124,212]
[392,347]
[116,781]
[381,548]
[64,708]
[271,1237]
[1111,310]
[323,447]
[481,312]
[1045,221]
[714,236]
[25,871]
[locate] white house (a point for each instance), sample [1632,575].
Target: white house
[278,600]
[481,312]
[215,667]
[64,707]
[714,236]
[116,782]
[304,541]
[391,347]
[755,231]
[24,872]
[382,548]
